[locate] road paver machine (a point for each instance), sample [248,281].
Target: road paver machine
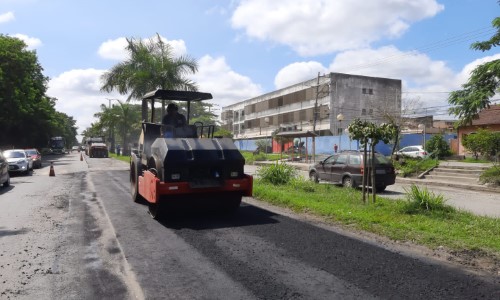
[185,163]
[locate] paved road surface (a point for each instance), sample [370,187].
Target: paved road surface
[104,246]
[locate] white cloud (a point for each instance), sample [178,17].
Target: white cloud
[422,78]
[32,42]
[298,72]
[115,49]
[227,87]
[325,26]
[79,96]
[7,17]
[78,91]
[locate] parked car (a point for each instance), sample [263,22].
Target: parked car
[4,171]
[413,151]
[36,157]
[19,161]
[346,168]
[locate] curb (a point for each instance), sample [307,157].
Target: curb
[480,188]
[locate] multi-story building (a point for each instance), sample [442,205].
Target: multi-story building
[315,105]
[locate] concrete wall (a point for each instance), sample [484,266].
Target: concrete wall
[367,98]
[324,144]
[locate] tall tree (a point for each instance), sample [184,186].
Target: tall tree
[482,85]
[28,117]
[151,65]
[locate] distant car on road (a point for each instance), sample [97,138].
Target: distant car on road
[416,151]
[346,168]
[4,171]
[36,157]
[75,148]
[19,161]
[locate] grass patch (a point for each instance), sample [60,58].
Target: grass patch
[250,158]
[456,230]
[474,160]
[491,175]
[121,157]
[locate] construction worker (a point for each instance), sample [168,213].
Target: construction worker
[173,117]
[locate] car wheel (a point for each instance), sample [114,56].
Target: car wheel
[348,182]
[7,183]
[313,176]
[381,188]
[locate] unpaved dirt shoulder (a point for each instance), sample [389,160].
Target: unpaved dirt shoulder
[32,215]
[480,264]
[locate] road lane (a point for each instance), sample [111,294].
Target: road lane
[259,254]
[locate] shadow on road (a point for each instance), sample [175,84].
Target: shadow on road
[12,232]
[202,217]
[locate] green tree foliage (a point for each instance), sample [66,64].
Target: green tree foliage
[263,145]
[483,143]
[224,133]
[28,117]
[438,146]
[121,122]
[482,85]
[370,134]
[151,65]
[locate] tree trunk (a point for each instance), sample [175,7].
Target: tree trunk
[365,171]
[374,189]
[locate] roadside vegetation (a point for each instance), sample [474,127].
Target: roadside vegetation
[491,175]
[124,158]
[411,167]
[421,218]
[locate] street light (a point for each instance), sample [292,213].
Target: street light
[422,127]
[347,133]
[266,120]
[340,118]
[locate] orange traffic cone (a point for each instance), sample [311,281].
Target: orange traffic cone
[52,173]
[81,156]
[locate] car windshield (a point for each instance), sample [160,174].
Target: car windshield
[379,159]
[14,154]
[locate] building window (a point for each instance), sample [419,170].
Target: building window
[363,112]
[370,112]
[368,91]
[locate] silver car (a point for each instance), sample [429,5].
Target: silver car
[4,171]
[413,151]
[19,161]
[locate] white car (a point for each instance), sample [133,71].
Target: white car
[413,151]
[19,161]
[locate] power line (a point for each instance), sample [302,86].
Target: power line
[467,36]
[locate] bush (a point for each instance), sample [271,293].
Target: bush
[438,147]
[413,166]
[483,143]
[419,200]
[277,174]
[491,175]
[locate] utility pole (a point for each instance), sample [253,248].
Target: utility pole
[315,117]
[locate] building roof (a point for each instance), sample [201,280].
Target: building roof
[488,116]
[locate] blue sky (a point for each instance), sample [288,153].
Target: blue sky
[249,47]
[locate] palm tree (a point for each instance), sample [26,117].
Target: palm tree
[151,65]
[123,119]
